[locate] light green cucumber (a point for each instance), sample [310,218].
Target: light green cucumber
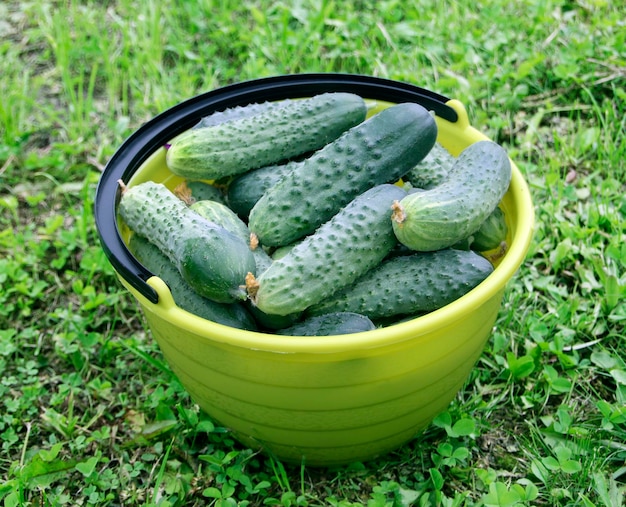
[452,211]
[433,170]
[277,134]
[355,240]
[379,150]
[192,191]
[409,284]
[212,260]
[238,112]
[223,216]
[330,324]
[246,189]
[228,314]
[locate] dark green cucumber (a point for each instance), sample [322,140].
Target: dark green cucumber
[379,150]
[228,314]
[355,240]
[409,284]
[330,324]
[245,190]
[266,138]
[271,322]
[454,210]
[223,216]
[212,260]
[433,170]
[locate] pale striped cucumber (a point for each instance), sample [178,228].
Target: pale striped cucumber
[330,324]
[452,211]
[355,240]
[228,314]
[491,233]
[222,215]
[269,137]
[379,150]
[212,260]
[409,285]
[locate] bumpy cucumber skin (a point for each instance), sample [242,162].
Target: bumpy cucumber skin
[238,112]
[223,216]
[379,150]
[212,260]
[245,190]
[330,324]
[277,134]
[203,191]
[433,170]
[409,284]
[491,233]
[229,314]
[450,212]
[355,240]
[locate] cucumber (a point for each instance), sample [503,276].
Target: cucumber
[330,324]
[433,170]
[409,284]
[228,314]
[491,233]
[379,150]
[195,190]
[355,240]
[452,211]
[246,189]
[271,322]
[223,216]
[266,138]
[212,260]
[238,112]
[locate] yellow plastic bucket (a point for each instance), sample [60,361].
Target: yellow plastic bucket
[321,400]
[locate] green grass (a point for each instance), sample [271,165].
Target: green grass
[89,411]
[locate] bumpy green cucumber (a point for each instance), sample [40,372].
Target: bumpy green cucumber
[195,190]
[238,112]
[491,233]
[246,189]
[448,213]
[409,284]
[330,324]
[277,134]
[379,150]
[271,322]
[212,260]
[223,216]
[433,170]
[229,314]
[355,240]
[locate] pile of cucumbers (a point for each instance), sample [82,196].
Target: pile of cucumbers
[312,217]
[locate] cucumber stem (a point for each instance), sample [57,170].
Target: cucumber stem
[398,214]
[183,192]
[122,185]
[252,286]
[254,241]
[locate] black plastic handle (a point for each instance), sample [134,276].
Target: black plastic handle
[162,128]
